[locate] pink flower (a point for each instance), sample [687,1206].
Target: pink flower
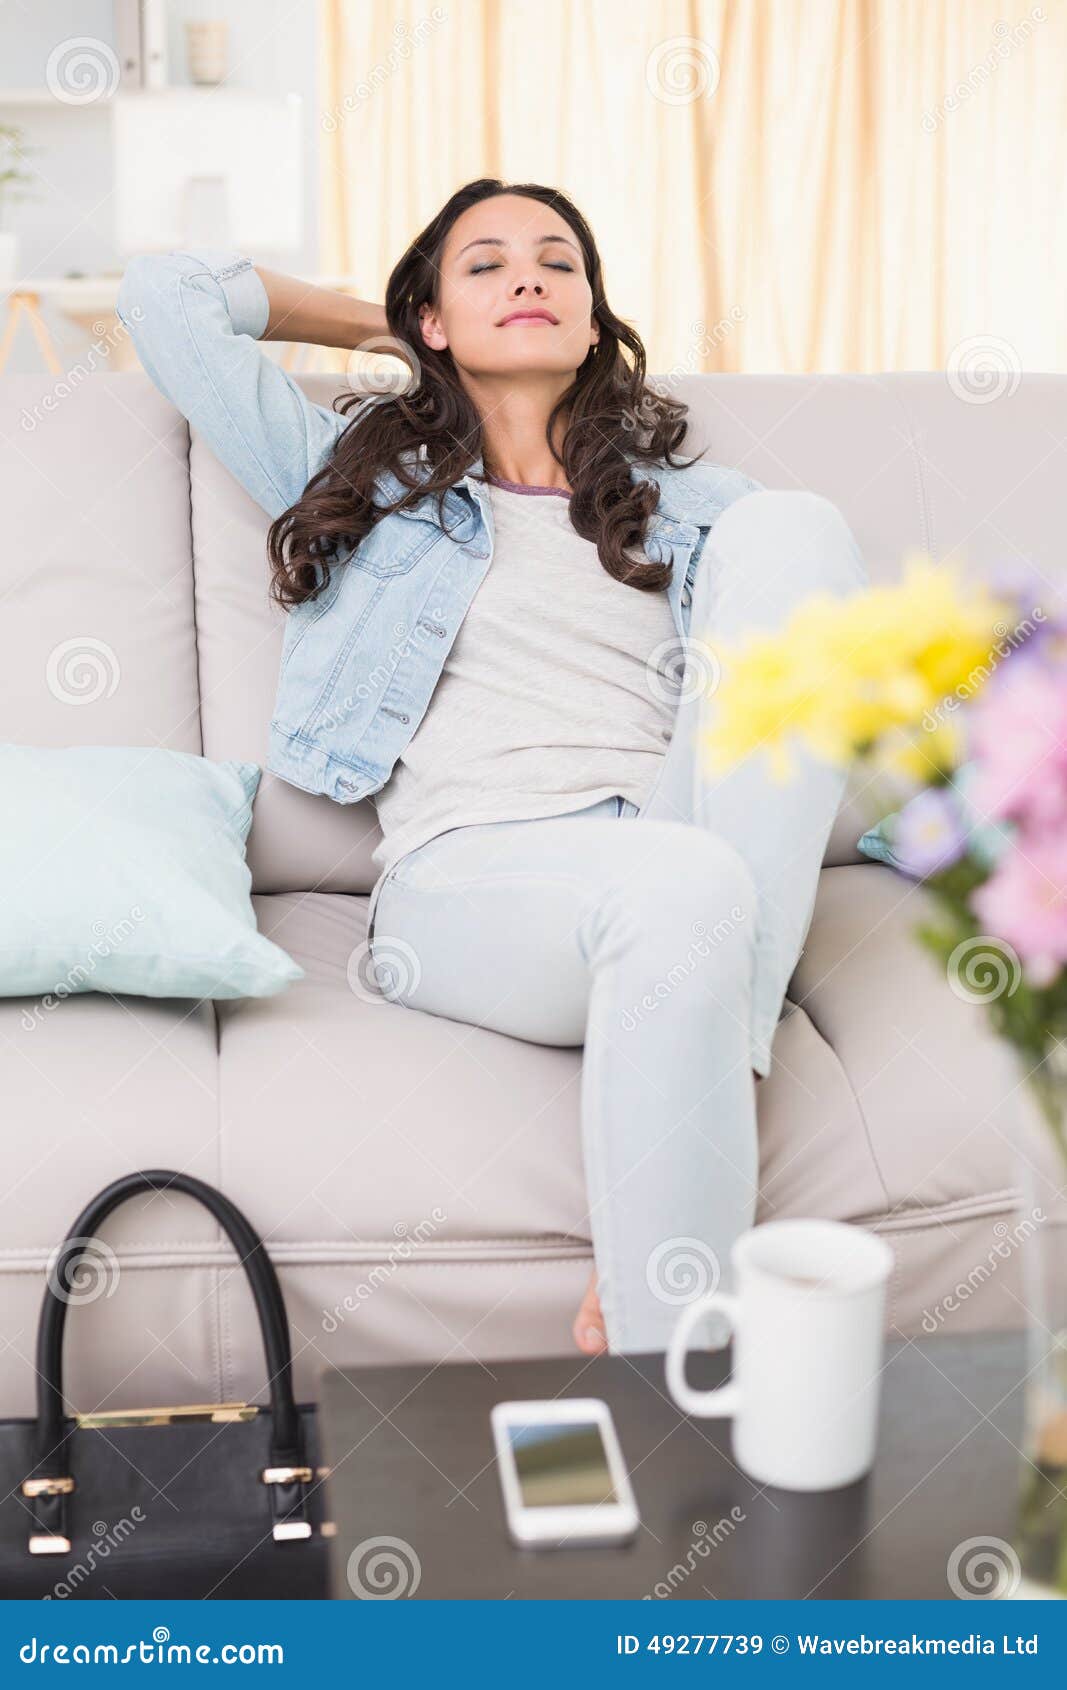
[1024,901]
[1018,738]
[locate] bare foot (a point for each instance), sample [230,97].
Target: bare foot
[588,1325]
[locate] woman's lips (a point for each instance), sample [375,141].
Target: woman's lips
[528,317]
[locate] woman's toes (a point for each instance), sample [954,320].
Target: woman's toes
[588,1326]
[591,1339]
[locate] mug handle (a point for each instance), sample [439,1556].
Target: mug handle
[725,1399]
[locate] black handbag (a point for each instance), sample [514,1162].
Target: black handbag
[221,1499]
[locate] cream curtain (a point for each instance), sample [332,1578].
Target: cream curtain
[785,185]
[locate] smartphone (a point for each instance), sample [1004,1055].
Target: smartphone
[562,1473]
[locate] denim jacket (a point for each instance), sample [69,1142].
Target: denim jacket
[360,662]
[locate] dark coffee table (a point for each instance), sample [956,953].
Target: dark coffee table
[412,1463]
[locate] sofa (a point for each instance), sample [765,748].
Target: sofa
[418,1181]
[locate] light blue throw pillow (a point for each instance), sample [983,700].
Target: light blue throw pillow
[122,869]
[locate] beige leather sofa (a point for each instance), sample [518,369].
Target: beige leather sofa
[419,1181]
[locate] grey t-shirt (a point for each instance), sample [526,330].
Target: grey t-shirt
[557,691]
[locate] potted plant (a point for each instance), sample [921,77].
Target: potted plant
[957,689]
[14,185]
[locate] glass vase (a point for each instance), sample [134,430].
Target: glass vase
[1041,1538]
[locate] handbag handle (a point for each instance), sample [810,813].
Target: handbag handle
[52,1434]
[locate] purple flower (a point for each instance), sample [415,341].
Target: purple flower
[1038,634]
[929,834]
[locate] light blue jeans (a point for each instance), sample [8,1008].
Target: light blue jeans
[665,948]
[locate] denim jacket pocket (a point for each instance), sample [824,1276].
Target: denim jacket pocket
[392,549]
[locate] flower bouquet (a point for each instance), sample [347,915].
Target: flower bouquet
[948,696]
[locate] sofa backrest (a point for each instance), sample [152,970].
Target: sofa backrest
[134,580]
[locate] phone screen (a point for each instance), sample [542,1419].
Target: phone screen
[561,1464]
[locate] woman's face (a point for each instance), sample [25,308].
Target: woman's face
[506,255]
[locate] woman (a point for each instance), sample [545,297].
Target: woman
[491,581]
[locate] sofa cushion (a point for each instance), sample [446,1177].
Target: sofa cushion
[94,1087]
[99,640]
[402,1121]
[932,1085]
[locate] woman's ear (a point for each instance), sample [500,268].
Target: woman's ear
[432,333]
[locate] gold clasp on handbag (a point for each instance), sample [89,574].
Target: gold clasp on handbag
[47,1487]
[286,1475]
[217,1413]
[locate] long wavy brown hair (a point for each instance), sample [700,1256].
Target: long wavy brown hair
[613,417]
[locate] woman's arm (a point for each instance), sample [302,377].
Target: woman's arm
[315,316]
[195,319]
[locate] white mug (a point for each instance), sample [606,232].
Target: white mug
[807,1316]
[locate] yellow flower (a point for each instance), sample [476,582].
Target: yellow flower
[876,672]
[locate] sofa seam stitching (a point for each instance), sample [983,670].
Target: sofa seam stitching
[954,1204]
[922,1231]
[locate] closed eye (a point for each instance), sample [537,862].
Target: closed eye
[479,269]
